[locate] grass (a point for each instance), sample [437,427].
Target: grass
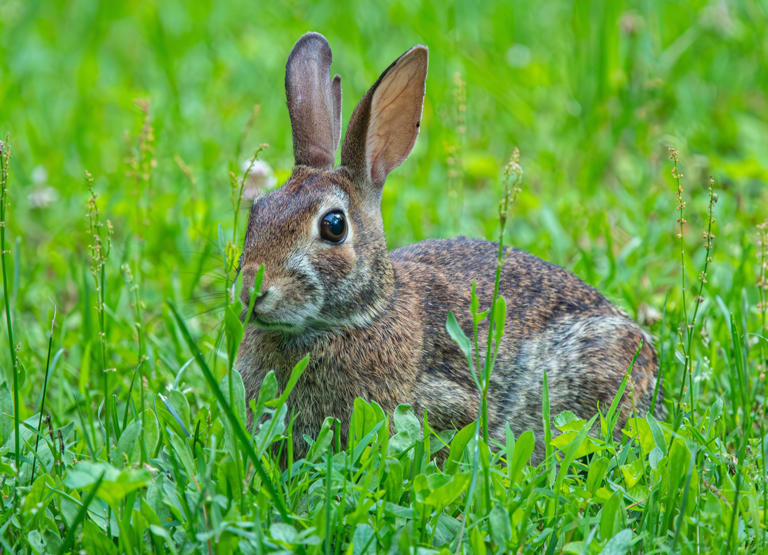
[122,423]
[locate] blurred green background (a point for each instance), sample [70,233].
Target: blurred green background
[593,92]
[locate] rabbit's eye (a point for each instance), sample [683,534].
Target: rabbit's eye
[333,226]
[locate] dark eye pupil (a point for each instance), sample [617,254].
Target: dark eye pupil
[333,227]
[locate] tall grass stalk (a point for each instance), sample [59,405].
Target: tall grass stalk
[100,247]
[5,156]
[137,305]
[687,335]
[232,256]
[513,174]
[496,315]
[141,163]
[762,307]
[740,348]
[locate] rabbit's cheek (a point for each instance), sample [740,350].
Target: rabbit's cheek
[334,265]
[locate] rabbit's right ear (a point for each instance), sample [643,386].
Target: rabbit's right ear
[385,124]
[314,102]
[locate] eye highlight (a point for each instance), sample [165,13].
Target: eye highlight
[333,226]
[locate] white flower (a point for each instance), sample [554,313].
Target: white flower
[260,178]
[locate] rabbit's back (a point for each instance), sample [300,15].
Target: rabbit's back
[555,322]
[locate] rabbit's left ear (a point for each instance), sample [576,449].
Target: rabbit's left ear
[314,102]
[385,124]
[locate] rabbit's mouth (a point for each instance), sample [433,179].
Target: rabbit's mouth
[273,325]
[263,323]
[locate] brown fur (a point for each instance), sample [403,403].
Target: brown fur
[373,322]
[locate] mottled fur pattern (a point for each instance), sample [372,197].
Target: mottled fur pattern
[373,321]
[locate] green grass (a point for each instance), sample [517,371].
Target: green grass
[128,434]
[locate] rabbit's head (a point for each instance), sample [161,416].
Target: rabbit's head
[320,236]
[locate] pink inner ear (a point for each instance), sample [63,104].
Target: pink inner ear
[379,170]
[395,114]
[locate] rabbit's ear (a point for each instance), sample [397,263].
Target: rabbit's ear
[314,102]
[385,124]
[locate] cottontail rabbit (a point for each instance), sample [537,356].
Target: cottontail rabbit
[373,321]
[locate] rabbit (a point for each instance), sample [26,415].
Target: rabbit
[374,322]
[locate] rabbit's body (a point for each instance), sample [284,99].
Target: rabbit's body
[555,322]
[373,322]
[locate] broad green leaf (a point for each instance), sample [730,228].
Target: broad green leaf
[363,540]
[149,513]
[639,429]
[575,548]
[618,544]
[323,441]
[657,433]
[163,534]
[407,427]
[38,497]
[457,334]
[501,530]
[609,515]
[444,490]
[150,430]
[283,533]
[362,421]
[632,472]
[237,400]
[477,541]
[115,485]
[446,530]
[183,451]
[95,541]
[233,331]
[267,392]
[363,446]
[654,457]
[597,470]
[521,455]
[36,542]
[499,317]
[458,445]
[420,487]
[587,445]
[393,480]
[566,421]
[128,444]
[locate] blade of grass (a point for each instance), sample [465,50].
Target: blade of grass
[5,155]
[45,389]
[237,426]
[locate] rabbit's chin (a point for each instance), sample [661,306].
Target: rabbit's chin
[277,326]
[286,322]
